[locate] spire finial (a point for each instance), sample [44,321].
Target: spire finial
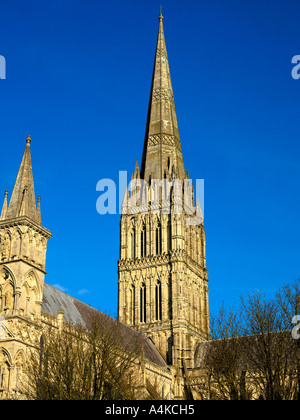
[28,140]
[160,13]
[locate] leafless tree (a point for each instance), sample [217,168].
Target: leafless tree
[268,348]
[76,363]
[252,353]
[223,362]
[288,298]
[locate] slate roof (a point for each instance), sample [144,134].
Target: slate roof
[77,312]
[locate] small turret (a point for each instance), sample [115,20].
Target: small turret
[22,202]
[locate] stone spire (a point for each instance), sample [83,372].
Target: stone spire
[163,279]
[162,153]
[22,202]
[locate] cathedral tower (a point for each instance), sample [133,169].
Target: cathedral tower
[23,245]
[163,280]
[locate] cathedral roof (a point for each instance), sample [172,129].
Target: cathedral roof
[79,313]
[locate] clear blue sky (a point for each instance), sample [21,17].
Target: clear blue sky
[78,80]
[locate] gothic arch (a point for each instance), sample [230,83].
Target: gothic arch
[139,221]
[42,249]
[6,354]
[33,247]
[7,289]
[158,238]
[169,236]
[132,241]
[5,368]
[19,363]
[16,243]
[26,244]
[156,221]
[132,296]
[30,293]
[158,300]
[143,239]
[7,297]
[5,271]
[143,302]
[20,358]
[32,281]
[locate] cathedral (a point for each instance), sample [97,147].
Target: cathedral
[162,274]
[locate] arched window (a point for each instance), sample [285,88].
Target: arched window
[169,236]
[7,298]
[158,302]
[158,239]
[33,248]
[16,245]
[143,303]
[7,291]
[132,305]
[19,364]
[5,366]
[143,242]
[132,241]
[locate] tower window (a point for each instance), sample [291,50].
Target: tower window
[143,303]
[4,376]
[132,305]
[158,302]
[132,240]
[158,240]
[169,237]
[143,242]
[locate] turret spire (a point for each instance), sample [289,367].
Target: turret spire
[22,202]
[162,148]
[4,208]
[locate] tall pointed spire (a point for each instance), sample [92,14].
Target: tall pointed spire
[162,148]
[22,202]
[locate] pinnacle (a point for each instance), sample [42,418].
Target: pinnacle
[22,202]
